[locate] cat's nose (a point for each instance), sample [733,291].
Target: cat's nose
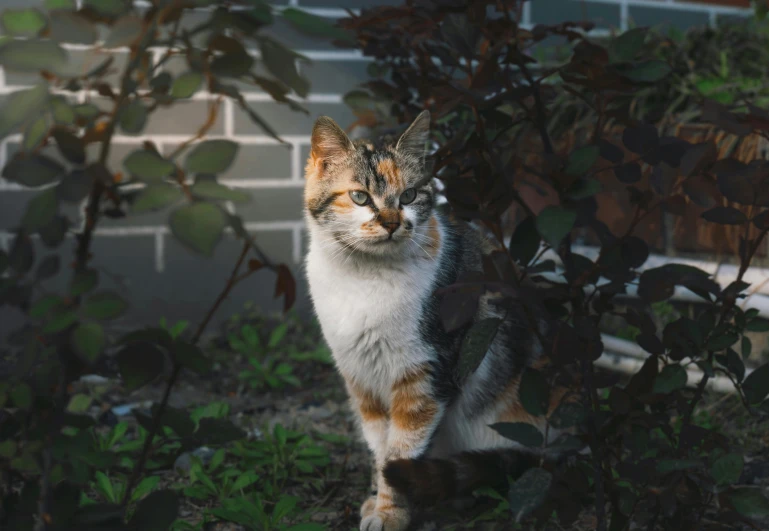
[391,226]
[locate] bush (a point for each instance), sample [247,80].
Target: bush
[52,456]
[493,103]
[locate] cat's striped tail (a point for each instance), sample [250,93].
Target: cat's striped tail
[427,481]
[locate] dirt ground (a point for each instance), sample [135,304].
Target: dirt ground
[319,406]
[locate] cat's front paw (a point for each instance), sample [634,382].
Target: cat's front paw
[392,519]
[368,507]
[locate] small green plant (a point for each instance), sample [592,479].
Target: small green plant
[251,512]
[214,481]
[266,368]
[281,457]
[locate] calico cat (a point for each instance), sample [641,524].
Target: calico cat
[379,249]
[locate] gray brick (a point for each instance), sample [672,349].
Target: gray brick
[13,204]
[666,18]
[257,162]
[557,11]
[278,204]
[183,118]
[80,62]
[337,77]
[288,122]
[296,40]
[184,269]
[127,265]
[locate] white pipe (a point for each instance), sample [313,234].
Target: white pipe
[724,275]
[626,356]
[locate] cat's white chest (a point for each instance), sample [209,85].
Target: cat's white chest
[370,318]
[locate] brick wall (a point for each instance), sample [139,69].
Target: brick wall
[137,255]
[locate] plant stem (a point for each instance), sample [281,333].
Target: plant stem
[156,419]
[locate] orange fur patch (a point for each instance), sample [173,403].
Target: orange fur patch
[512,410]
[434,244]
[411,408]
[390,172]
[371,408]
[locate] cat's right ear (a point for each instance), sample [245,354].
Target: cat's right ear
[329,142]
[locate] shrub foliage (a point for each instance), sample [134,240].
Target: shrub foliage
[473,65]
[51,454]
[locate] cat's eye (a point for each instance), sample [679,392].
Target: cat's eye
[408,196]
[359,198]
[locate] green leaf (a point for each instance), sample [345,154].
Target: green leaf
[722,341]
[245,480]
[148,165]
[554,223]
[186,84]
[749,502]
[32,56]
[475,344]
[199,226]
[22,106]
[72,28]
[88,340]
[218,431]
[35,133]
[666,466]
[534,392]
[22,22]
[52,5]
[584,188]
[671,378]
[157,511]
[208,188]
[40,211]
[648,71]
[284,506]
[232,64]
[727,469]
[582,159]
[192,357]
[74,187]
[133,117]
[104,305]
[63,112]
[358,100]
[529,491]
[520,432]
[79,403]
[70,146]
[21,396]
[60,321]
[626,46]
[125,32]
[140,363]
[757,325]
[756,385]
[104,485]
[211,157]
[110,8]
[315,26]
[156,196]
[281,63]
[84,281]
[525,241]
[8,449]
[44,305]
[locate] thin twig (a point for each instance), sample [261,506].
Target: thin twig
[156,420]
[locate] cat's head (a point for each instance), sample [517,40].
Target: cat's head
[370,199]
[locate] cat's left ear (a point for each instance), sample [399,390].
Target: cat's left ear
[413,143]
